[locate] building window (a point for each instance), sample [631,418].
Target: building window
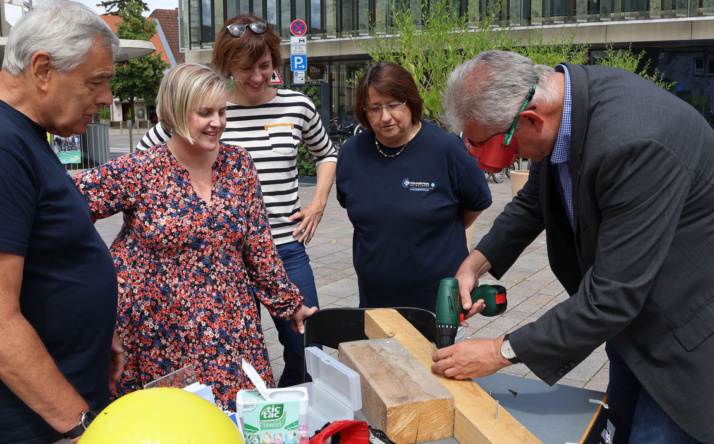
[699,67]
[285,17]
[703,67]
[301,10]
[317,25]
[207,21]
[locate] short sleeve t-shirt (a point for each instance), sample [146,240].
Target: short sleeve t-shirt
[69,286]
[407,213]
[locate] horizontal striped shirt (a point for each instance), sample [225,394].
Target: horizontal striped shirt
[271,133]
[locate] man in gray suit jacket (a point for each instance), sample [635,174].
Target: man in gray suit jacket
[623,184]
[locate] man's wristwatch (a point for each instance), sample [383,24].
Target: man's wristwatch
[84,421]
[507,352]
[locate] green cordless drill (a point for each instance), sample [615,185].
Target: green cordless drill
[450,313]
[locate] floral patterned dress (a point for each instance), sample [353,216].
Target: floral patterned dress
[191,269]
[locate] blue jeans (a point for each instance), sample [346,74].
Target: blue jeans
[297,266]
[643,421]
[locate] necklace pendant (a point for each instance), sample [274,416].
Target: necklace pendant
[376,143]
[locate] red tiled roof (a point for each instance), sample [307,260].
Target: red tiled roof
[168,18]
[112,21]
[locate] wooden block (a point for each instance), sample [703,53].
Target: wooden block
[399,396]
[475,411]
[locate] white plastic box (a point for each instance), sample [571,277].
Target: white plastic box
[334,393]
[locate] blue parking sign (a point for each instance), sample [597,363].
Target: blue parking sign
[298,62]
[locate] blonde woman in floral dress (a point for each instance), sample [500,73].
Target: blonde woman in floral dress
[195,248]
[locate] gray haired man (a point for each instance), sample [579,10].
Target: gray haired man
[623,184]
[58,287]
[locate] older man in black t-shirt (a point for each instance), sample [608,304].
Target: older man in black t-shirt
[58,287]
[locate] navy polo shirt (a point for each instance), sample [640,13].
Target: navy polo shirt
[69,285]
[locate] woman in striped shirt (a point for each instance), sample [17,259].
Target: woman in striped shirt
[270,124]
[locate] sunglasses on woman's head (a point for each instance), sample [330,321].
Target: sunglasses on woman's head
[238,29]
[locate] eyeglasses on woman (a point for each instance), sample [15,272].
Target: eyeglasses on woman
[377,109]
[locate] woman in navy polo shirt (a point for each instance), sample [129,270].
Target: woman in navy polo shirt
[410,189]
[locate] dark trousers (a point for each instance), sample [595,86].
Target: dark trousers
[643,420]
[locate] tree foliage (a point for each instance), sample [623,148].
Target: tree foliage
[104,113]
[133,25]
[429,38]
[558,50]
[114,7]
[137,78]
[627,59]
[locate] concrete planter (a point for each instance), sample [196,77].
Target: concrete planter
[518,179]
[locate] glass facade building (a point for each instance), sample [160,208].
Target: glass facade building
[677,35]
[344,18]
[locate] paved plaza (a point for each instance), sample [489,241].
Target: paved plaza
[532,287]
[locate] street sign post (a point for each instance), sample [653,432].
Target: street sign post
[298,28]
[298,62]
[275,79]
[298,51]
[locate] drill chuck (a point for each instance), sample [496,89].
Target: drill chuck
[446,334]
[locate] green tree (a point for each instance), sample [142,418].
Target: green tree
[137,78]
[104,113]
[631,61]
[114,7]
[429,39]
[557,50]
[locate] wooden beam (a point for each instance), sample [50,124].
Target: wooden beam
[399,396]
[475,411]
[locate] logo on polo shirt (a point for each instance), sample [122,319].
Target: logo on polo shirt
[414,185]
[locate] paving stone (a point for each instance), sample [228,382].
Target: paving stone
[322,281]
[516,370]
[343,287]
[326,299]
[322,271]
[350,301]
[339,265]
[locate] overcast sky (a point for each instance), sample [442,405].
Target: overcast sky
[13,12]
